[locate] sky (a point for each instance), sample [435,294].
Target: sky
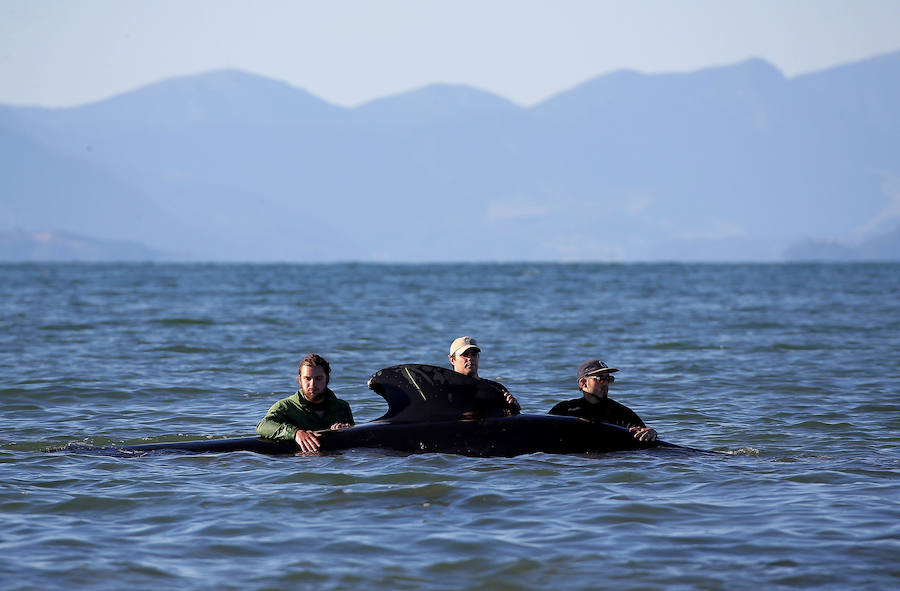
[67,52]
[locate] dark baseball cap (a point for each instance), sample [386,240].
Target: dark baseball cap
[594,367]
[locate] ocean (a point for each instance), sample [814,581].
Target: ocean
[792,370]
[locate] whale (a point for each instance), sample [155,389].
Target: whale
[433,409]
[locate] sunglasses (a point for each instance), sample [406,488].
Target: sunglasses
[604,378]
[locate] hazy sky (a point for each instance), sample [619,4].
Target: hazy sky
[65,52]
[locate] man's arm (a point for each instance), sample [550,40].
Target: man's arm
[277,424]
[511,400]
[271,429]
[345,416]
[638,429]
[512,405]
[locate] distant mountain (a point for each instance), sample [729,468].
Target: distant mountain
[20,246]
[42,187]
[726,163]
[882,247]
[821,250]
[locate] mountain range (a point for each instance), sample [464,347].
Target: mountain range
[732,163]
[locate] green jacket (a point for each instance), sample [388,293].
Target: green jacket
[289,414]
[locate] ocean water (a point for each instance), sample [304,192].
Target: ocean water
[792,370]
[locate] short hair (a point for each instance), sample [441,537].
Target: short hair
[315,360]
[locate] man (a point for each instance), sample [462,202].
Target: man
[464,355]
[313,407]
[594,378]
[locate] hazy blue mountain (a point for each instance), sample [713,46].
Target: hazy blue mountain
[20,246]
[42,188]
[211,99]
[435,103]
[821,250]
[728,163]
[881,247]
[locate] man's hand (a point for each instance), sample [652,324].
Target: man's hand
[511,400]
[337,426]
[643,433]
[307,440]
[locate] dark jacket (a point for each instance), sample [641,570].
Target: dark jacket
[605,411]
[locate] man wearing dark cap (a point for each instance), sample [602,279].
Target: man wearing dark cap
[594,378]
[464,356]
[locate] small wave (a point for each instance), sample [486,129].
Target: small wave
[793,347]
[184,321]
[679,346]
[181,349]
[67,327]
[86,445]
[745,451]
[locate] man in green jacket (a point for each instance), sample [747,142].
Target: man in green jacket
[313,407]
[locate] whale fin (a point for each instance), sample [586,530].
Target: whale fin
[417,393]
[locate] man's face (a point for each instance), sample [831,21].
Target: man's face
[595,386]
[312,383]
[466,362]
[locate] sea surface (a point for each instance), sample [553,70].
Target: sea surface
[792,370]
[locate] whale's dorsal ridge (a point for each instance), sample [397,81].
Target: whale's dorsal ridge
[418,393]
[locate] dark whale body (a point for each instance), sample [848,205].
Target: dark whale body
[436,410]
[509,436]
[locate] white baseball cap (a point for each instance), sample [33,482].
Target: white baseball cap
[463,344]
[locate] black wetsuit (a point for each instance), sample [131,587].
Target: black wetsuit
[605,411]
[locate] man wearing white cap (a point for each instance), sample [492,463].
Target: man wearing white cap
[464,355]
[594,378]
